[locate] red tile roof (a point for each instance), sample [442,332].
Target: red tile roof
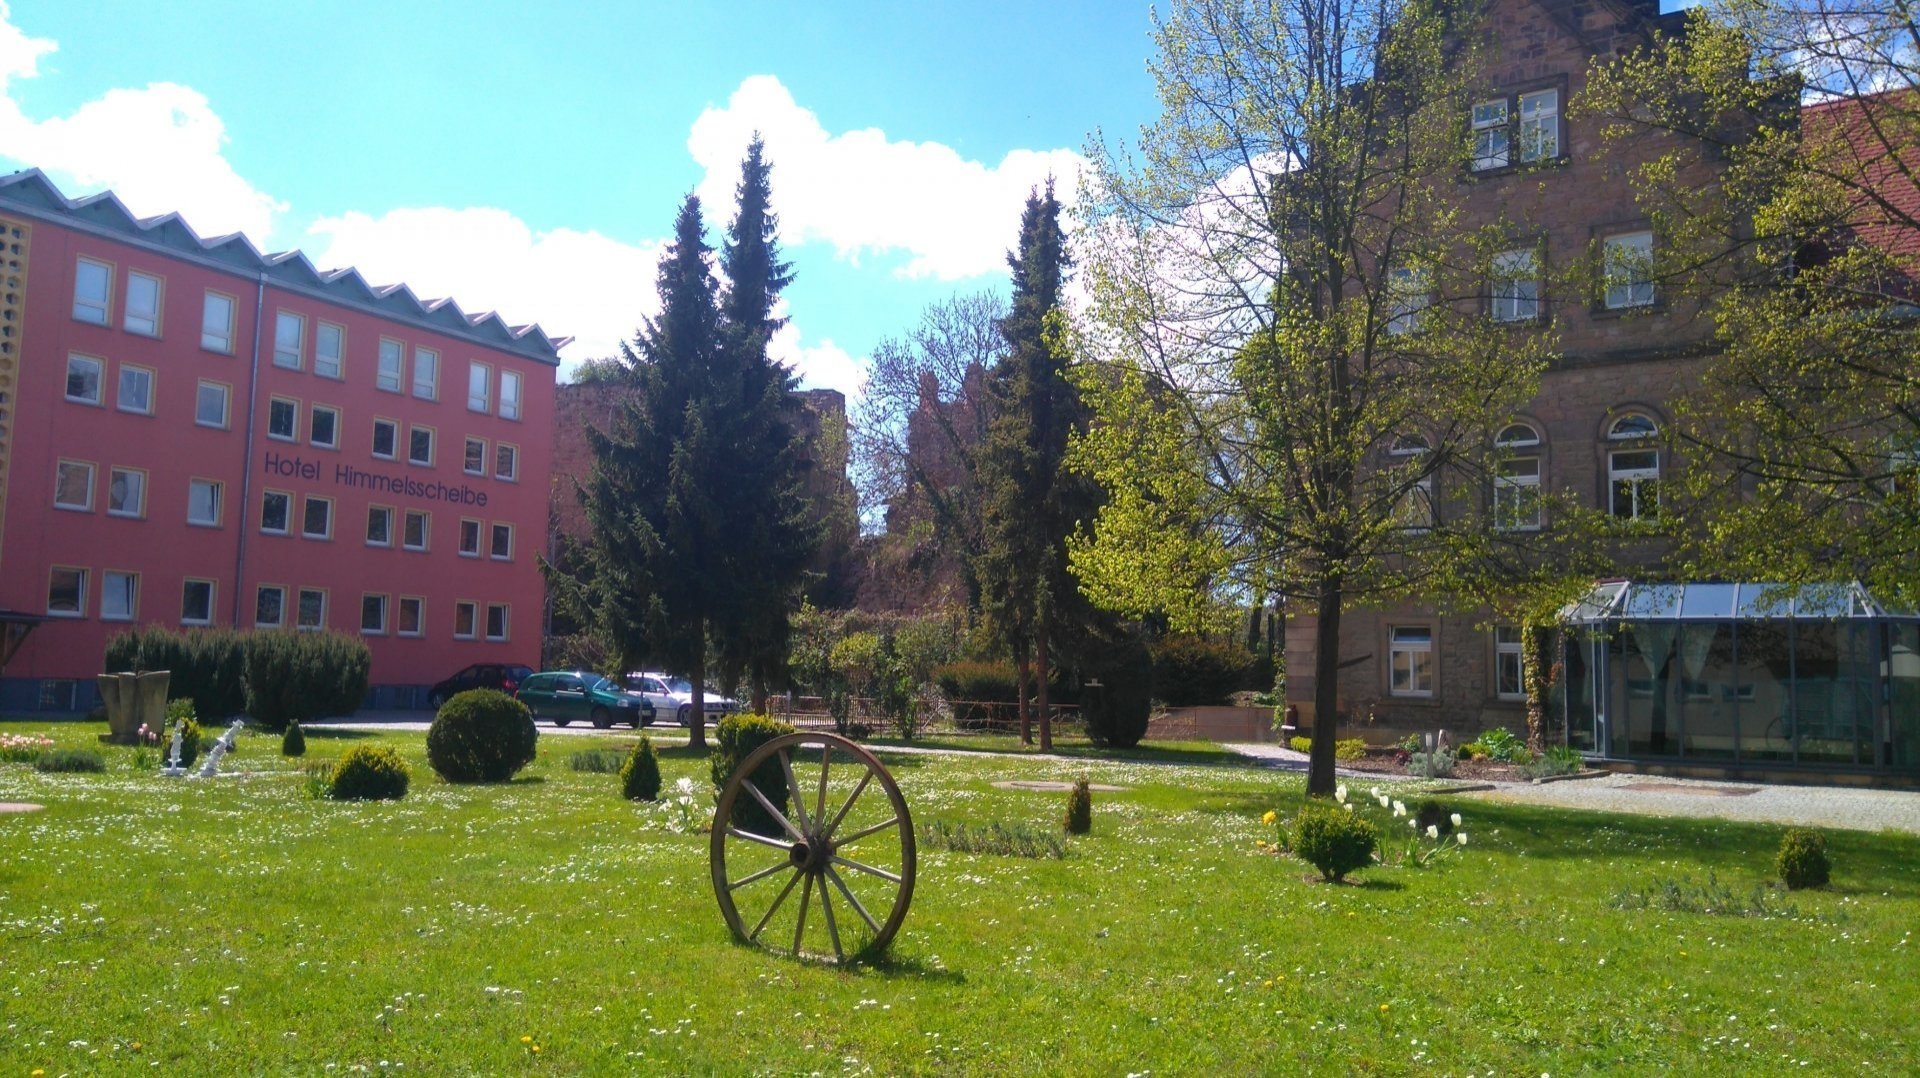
[1876,142]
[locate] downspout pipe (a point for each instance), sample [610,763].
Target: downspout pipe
[246,448]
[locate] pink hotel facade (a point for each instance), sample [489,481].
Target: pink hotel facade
[193,433]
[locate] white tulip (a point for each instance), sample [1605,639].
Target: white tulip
[1460,837]
[1456,819]
[1433,830]
[1340,793]
[1399,808]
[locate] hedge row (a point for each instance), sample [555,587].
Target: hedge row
[275,676]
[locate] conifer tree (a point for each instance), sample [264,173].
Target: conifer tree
[1029,503]
[772,532]
[660,531]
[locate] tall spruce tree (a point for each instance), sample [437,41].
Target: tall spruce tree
[772,532]
[661,528]
[1030,505]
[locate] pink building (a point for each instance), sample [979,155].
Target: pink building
[193,433]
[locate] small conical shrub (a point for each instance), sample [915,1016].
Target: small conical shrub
[293,742]
[1080,809]
[640,775]
[1803,859]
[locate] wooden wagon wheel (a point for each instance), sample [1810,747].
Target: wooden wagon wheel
[836,825]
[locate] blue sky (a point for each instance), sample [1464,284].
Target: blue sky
[530,157]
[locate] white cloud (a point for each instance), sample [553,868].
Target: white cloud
[825,365]
[863,192]
[579,284]
[160,148]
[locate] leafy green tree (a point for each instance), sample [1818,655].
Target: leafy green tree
[1030,502]
[1807,255]
[772,530]
[654,498]
[1295,386]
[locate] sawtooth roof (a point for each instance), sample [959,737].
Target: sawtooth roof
[31,192]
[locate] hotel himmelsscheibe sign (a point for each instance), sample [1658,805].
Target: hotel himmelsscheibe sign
[398,484]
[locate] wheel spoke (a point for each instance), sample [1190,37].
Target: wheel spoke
[793,791]
[768,916]
[865,831]
[760,875]
[761,839]
[851,798]
[820,807]
[833,930]
[800,926]
[868,869]
[773,812]
[852,901]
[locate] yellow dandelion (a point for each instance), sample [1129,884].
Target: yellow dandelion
[536,1049]
[1383,1008]
[526,1040]
[1269,817]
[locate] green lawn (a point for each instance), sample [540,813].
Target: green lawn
[235,926]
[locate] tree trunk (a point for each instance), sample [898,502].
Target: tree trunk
[1326,691]
[697,722]
[759,682]
[1020,694]
[1040,688]
[1537,671]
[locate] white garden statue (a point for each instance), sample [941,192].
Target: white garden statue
[220,748]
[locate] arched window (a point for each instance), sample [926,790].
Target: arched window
[1633,470]
[1516,479]
[1411,469]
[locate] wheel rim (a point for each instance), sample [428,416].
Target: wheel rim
[835,877]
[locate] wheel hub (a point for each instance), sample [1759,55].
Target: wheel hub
[811,856]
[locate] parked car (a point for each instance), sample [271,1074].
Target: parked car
[566,695]
[674,696]
[503,676]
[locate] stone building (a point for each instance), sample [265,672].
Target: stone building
[1624,349]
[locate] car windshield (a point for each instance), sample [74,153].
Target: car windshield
[680,685]
[596,683]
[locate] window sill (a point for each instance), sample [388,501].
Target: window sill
[68,615]
[117,618]
[154,336]
[126,516]
[85,321]
[1602,311]
[414,549]
[193,623]
[85,401]
[203,524]
[203,424]
[1516,168]
[410,636]
[73,508]
[420,463]
[475,554]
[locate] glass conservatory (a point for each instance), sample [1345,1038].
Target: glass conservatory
[1751,675]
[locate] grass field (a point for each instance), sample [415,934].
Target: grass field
[236,926]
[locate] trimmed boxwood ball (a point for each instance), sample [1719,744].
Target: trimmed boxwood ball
[734,739]
[640,775]
[293,742]
[1802,861]
[481,735]
[1333,840]
[369,773]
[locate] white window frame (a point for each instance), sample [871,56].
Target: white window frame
[1539,125]
[426,373]
[419,616]
[80,591]
[380,512]
[511,386]
[1492,141]
[432,438]
[467,457]
[306,516]
[92,473]
[472,610]
[329,349]
[1410,660]
[129,590]
[511,453]
[1509,656]
[1409,449]
[216,497]
[1628,270]
[1516,286]
[138,487]
[479,387]
[1517,480]
[95,310]
[286,517]
[1409,294]
[426,530]
[143,322]
[494,531]
[99,397]
[390,375]
[393,427]
[380,626]
[135,374]
[226,404]
[293,415]
[220,339]
[300,622]
[261,591]
[506,622]
[473,550]
[213,590]
[313,417]
[289,340]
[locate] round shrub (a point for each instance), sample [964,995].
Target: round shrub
[1803,859]
[293,742]
[1193,670]
[481,735]
[368,773]
[1333,840]
[180,715]
[1350,748]
[640,775]
[733,741]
